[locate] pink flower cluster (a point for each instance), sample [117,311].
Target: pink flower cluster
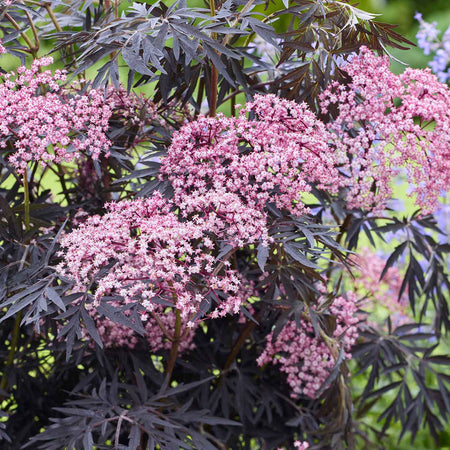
[153,257]
[228,169]
[387,122]
[128,110]
[381,292]
[305,357]
[45,123]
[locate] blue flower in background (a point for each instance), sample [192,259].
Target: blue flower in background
[427,36]
[428,40]
[439,65]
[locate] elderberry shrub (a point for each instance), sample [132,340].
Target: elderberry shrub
[176,280]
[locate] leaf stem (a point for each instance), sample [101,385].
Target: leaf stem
[213,91]
[233,106]
[52,16]
[161,325]
[212,7]
[12,350]
[33,29]
[241,341]
[201,88]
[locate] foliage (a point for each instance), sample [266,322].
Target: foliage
[175,280]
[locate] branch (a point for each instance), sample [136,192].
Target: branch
[24,36]
[174,348]
[241,340]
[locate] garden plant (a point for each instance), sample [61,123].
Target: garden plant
[222,226]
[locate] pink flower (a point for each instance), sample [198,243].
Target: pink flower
[45,122]
[227,170]
[386,122]
[383,292]
[305,357]
[153,257]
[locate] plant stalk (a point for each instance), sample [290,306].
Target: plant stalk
[26,201]
[214,75]
[174,348]
[32,48]
[52,16]
[213,91]
[240,342]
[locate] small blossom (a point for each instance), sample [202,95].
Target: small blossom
[227,170]
[384,292]
[305,357]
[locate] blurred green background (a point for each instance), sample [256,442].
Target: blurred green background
[401,13]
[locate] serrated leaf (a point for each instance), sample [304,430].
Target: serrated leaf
[134,437]
[91,327]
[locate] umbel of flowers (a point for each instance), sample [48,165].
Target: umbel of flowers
[228,169]
[227,174]
[386,123]
[46,123]
[155,257]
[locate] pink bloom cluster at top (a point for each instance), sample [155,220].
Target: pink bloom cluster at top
[305,357]
[384,292]
[395,121]
[115,335]
[50,126]
[228,169]
[153,255]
